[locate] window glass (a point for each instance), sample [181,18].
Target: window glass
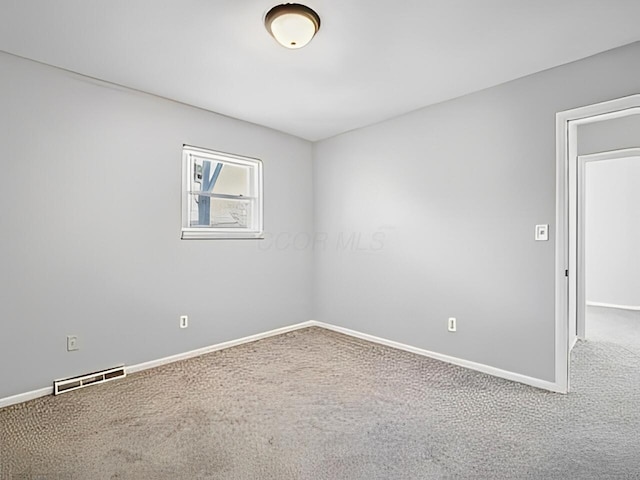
[222,195]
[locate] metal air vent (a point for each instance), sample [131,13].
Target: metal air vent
[74,383]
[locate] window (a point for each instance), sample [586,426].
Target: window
[221,195]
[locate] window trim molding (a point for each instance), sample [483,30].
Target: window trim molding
[213,233]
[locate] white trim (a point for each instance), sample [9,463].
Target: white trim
[633,308]
[566,244]
[480,367]
[43,392]
[611,154]
[25,397]
[213,348]
[256,228]
[496,372]
[573,343]
[561,304]
[232,234]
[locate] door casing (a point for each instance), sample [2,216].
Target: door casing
[567,233]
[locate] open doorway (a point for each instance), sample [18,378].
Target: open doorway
[570,278]
[608,234]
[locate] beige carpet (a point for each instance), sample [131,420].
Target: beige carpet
[314,404]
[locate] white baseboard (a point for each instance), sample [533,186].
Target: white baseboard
[516,377]
[43,392]
[496,372]
[213,348]
[573,343]
[25,397]
[634,308]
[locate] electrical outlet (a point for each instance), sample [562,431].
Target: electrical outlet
[451,325]
[72,343]
[184,321]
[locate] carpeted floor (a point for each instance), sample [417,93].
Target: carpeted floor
[314,404]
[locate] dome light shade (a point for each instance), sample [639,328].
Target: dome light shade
[292,25]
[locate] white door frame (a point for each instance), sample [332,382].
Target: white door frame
[566,275]
[580,235]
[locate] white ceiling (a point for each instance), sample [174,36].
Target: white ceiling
[370,61]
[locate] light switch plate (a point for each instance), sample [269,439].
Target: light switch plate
[72,343]
[542,233]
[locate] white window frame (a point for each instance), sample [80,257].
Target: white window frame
[254,229]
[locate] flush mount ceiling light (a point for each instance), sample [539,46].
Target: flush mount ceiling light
[292,25]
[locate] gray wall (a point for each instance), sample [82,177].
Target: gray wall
[456,190]
[419,218]
[615,134]
[612,232]
[90,198]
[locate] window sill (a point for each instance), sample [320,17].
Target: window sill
[208,234]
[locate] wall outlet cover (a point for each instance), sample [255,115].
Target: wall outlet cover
[542,233]
[452,324]
[72,343]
